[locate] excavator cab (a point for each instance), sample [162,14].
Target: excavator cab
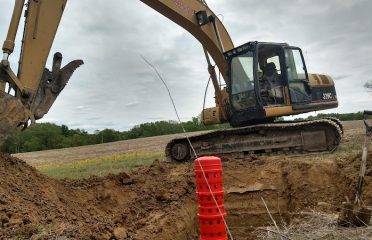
[273,82]
[265,77]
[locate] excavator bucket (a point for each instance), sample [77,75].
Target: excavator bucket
[12,114]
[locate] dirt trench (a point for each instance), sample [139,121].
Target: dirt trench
[158,202]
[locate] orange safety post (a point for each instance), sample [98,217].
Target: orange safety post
[211,214]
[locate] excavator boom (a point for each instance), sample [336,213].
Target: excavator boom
[192,15]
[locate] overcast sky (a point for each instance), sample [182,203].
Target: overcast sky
[116,89]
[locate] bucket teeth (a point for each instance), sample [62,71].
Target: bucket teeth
[51,84]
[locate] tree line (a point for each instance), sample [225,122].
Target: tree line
[44,136]
[340,116]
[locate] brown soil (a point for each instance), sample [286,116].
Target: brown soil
[158,202]
[97,208]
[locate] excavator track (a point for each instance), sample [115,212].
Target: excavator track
[265,139]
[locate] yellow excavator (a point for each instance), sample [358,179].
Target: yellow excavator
[262,82]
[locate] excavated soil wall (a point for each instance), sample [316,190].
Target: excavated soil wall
[158,202]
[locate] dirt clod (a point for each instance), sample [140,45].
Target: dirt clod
[120,233]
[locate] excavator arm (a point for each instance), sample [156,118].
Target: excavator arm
[34,88]
[196,17]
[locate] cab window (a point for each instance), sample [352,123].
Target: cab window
[270,77]
[242,82]
[275,60]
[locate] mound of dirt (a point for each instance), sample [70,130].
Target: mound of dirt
[158,202]
[115,207]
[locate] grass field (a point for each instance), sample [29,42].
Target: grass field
[99,166]
[103,159]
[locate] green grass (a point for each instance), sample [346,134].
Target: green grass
[101,166]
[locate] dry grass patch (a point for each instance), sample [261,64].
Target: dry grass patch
[314,225]
[100,166]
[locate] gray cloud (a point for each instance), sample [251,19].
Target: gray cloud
[116,89]
[340,77]
[132,104]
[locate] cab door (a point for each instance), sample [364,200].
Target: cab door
[243,95]
[297,77]
[245,107]
[271,79]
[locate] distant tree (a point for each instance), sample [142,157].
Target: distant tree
[65,130]
[13,144]
[109,135]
